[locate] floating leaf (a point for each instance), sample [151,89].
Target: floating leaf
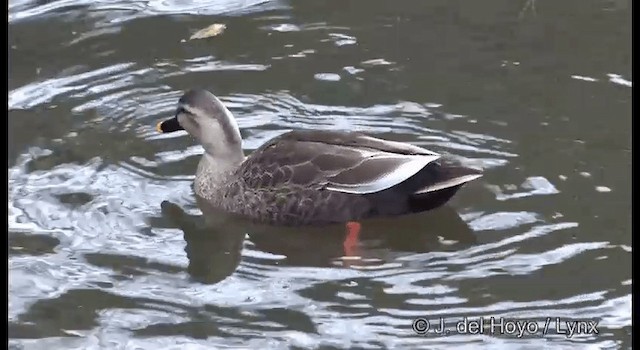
[212,30]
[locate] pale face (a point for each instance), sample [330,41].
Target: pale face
[206,118]
[189,121]
[217,139]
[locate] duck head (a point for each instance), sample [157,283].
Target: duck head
[206,118]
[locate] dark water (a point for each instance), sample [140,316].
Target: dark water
[537,93]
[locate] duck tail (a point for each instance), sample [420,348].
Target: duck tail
[445,183]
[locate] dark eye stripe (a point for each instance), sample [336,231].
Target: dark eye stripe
[182,110]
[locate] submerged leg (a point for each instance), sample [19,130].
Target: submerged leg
[351,241]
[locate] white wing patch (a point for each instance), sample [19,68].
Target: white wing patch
[408,166]
[402,146]
[449,183]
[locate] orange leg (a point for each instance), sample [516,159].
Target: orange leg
[351,241]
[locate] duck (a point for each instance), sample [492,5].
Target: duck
[311,177]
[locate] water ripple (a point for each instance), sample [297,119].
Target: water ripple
[128,10]
[38,93]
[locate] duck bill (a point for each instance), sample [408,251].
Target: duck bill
[169,125]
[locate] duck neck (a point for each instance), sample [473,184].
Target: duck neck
[213,173]
[216,169]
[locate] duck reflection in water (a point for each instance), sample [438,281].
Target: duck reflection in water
[215,240]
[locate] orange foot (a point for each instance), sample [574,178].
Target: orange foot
[350,243]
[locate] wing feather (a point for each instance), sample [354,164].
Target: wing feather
[379,172]
[337,161]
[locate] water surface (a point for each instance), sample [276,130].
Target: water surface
[536,93]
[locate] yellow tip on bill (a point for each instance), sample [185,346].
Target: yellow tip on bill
[159,127]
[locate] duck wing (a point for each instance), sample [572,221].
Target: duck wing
[348,162]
